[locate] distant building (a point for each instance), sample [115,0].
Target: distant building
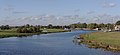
[117,28]
[66,29]
[97,29]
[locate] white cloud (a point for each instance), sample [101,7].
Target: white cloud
[90,12]
[18,12]
[42,20]
[60,20]
[109,5]
[105,18]
[112,4]
[8,8]
[77,10]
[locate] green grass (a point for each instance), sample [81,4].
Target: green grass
[56,30]
[109,38]
[13,32]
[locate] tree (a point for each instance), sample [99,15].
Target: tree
[5,27]
[110,26]
[27,25]
[19,30]
[24,30]
[92,25]
[101,25]
[118,22]
[29,29]
[50,26]
[83,25]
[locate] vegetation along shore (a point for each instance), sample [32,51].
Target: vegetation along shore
[28,30]
[108,40]
[105,40]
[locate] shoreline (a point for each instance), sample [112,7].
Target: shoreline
[93,43]
[14,34]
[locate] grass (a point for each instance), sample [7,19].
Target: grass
[108,38]
[56,30]
[13,33]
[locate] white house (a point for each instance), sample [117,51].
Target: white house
[66,29]
[117,27]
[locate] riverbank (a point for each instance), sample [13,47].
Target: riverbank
[14,33]
[106,40]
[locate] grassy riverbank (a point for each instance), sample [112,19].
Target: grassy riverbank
[56,30]
[107,40]
[14,33]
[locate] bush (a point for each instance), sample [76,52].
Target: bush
[32,29]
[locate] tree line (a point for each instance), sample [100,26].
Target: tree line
[28,29]
[50,26]
[93,25]
[37,28]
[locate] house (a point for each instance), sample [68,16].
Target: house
[106,29]
[97,29]
[117,28]
[66,29]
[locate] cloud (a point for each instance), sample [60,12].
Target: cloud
[109,5]
[45,20]
[18,12]
[61,20]
[77,10]
[90,12]
[112,4]
[105,18]
[8,8]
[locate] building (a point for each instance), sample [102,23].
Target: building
[117,28]
[97,29]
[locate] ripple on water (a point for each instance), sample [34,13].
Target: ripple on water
[48,44]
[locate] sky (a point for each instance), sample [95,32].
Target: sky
[58,12]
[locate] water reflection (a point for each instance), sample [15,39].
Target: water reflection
[76,40]
[48,44]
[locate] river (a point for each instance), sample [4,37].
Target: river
[48,44]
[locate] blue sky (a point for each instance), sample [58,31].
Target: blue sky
[58,12]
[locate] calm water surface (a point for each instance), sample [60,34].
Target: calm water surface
[48,44]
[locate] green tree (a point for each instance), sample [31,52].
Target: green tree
[27,25]
[29,29]
[92,25]
[110,26]
[101,25]
[24,30]
[50,26]
[19,30]
[118,22]
[5,27]
[83,25]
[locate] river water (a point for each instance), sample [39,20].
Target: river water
[48,44]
